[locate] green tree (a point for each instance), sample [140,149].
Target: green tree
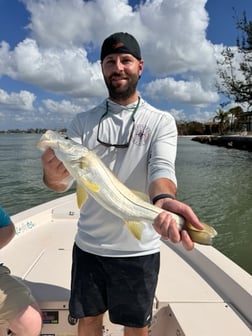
[190,127]
[223,120]
[236,82]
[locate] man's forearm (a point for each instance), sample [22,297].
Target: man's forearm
[162,186]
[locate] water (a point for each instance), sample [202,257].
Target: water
[21,173]
[215,181]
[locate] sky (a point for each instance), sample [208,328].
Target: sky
[50,55]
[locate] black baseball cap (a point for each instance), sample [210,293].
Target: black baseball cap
[120,43]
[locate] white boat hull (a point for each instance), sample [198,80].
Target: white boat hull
[199,293]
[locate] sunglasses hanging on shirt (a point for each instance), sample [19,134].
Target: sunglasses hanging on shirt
[122,145]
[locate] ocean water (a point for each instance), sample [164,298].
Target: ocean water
[216,182]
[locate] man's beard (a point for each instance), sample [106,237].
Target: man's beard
[116,92]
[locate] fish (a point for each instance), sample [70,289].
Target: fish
[94,178]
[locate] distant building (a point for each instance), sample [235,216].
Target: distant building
[245,121]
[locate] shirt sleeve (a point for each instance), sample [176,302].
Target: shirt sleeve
[163,150]
[4,218]
[75,130]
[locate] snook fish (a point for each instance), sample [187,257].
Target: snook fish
[95,178]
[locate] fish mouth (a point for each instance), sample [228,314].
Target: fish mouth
[43,143]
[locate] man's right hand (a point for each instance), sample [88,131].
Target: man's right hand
[56,177]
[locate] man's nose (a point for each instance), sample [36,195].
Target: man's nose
[118,64]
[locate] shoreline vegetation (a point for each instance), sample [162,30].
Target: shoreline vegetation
[30,131]
[242,142]
[237,141]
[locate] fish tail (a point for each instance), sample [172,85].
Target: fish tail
[204,236]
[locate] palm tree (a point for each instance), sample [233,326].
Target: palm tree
[223,118]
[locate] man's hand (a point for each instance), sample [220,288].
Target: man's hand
[166,225]
[56,177]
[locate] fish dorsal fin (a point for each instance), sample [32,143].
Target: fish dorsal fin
[81,194]
[136,228]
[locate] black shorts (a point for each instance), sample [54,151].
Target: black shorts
[123,286]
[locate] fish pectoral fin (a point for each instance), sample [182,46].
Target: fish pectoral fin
[89,185]
[81,194]
[136,228]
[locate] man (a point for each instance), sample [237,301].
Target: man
[18,310]
[111,269]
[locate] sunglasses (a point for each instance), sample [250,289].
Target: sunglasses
[116,145]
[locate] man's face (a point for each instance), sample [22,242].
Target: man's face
[121,73]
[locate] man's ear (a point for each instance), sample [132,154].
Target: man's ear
[141,64]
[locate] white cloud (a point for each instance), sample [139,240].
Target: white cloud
[202,116]
[173,41]
[65,71]
[65,109]
[174,37]
[23,100]
[77,22]
[178,114]
[180,91]
[60,55]
[19,108]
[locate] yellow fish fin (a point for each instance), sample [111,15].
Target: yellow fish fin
[91,186]
[83,163]
[141,195]
[81,194]
[136,228]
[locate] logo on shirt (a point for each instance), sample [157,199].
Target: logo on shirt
[141,135]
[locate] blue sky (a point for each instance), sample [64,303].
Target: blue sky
[49,55]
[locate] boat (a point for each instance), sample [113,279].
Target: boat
[199,293]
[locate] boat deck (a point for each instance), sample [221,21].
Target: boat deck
[189,300]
